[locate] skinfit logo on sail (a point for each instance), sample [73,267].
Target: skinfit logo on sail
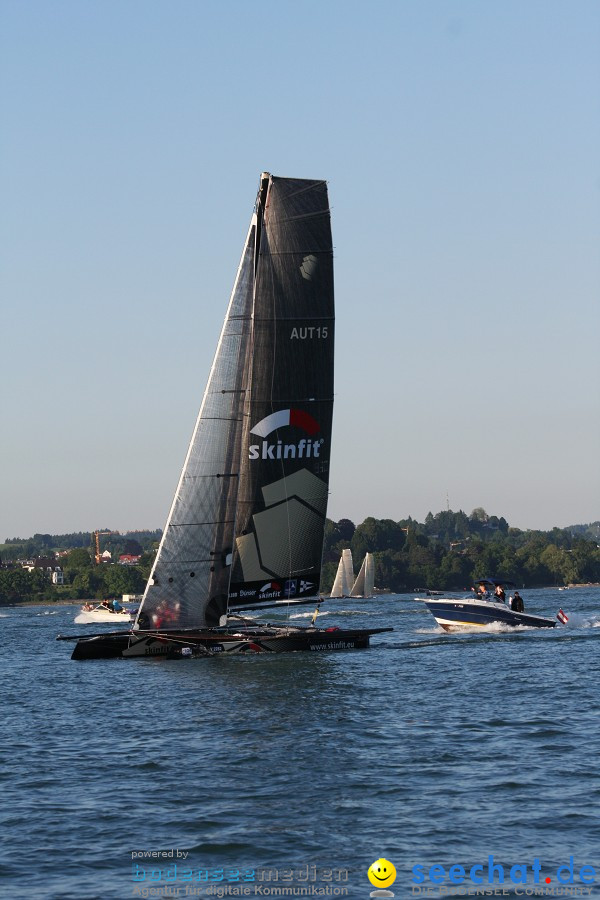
[303,449]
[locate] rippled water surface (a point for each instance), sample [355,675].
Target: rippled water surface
[426,749]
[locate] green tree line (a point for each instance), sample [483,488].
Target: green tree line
[83,579]
[135,542]
[449,551]
[452,550]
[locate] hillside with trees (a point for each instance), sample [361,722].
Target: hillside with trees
[47,544]
[452,550]
[448,551]
[75,554]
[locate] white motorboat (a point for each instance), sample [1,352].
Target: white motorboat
[90,615]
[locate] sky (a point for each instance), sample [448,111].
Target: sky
[461,143]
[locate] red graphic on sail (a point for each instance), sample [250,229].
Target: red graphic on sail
[284,417]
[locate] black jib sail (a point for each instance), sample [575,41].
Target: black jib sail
[247,522]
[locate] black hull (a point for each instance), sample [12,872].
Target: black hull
[207,642]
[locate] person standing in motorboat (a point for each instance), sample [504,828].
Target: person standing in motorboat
[516,603]
[499,595]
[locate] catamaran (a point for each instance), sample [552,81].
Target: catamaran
[246,526]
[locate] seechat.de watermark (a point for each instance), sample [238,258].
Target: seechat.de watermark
[493,873]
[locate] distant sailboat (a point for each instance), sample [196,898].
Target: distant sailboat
[365,580]
[344,576]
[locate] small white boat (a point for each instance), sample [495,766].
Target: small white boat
[90,614]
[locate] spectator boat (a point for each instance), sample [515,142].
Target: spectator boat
[482,610]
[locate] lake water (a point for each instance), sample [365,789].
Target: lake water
[300,770]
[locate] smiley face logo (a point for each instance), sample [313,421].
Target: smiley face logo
[382,873]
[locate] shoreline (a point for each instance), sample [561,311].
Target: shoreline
[22,603]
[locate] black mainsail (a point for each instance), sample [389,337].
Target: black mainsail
[247,522]
[286,442]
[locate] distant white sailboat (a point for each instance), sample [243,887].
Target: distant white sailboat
[344,576]
[365,580]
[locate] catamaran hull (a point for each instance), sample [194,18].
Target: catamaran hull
[131,645]
[453,615]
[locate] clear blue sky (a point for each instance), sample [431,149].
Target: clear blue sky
[461,142]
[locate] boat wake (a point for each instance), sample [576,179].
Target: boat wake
[329,612]
[434,629]
[347,612]
[581,620]
[576,622]
[490,628]
[307,615]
